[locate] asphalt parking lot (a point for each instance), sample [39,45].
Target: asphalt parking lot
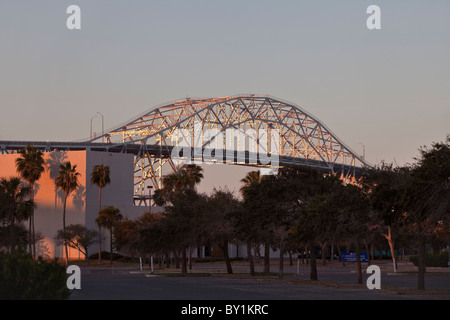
[209,282]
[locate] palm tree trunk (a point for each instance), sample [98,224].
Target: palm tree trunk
[99,228]
[12,234]
[86,255]
[32,235]
[64,228]
[110,246]
[30,231]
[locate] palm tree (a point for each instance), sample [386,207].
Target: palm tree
[108,218]
[175,183]
[30,166]
[13,204]
[192,175]
[250,178]
[101,177]
[68,182]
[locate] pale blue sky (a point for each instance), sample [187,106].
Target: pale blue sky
[388,89]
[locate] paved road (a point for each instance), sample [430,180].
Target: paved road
[335,284]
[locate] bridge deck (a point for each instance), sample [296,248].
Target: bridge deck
[158,151]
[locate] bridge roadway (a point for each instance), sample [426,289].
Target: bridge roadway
[165,152]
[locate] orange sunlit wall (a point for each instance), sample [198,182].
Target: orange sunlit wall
[49,200]
[82,204]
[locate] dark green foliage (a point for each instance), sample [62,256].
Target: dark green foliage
[433,260]
[22,278]
[106,255]
[21,236]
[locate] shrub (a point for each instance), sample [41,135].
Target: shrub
[22,278]
[106,256]
[432,260]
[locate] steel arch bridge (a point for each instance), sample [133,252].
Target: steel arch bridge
[153,137]
[302,138]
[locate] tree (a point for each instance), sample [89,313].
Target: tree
[246,231]
[252,212]
[355,220]
[182,222]
[127,236]
[100,176]
[192,175]
[78,237]
[142,235]
[67,181]
[14,205]
[30,165]
[314,192]
[188,177]
[426,197]
[182,204]
[217,222]
[383,187]
[275,205]
[109,218]
[296,190]
[20,234]
[22,278]
[252,177]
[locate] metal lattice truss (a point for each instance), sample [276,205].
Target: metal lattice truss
[300,138]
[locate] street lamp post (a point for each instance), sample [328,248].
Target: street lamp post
[364,151]
[90,136]
[103,125]
[150,206]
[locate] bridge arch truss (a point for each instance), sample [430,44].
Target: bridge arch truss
[303,139]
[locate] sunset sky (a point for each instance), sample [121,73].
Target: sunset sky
[385,90]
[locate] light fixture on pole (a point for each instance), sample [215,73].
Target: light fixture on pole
[364,151]
[150,206]
[90,136]
[103,126]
